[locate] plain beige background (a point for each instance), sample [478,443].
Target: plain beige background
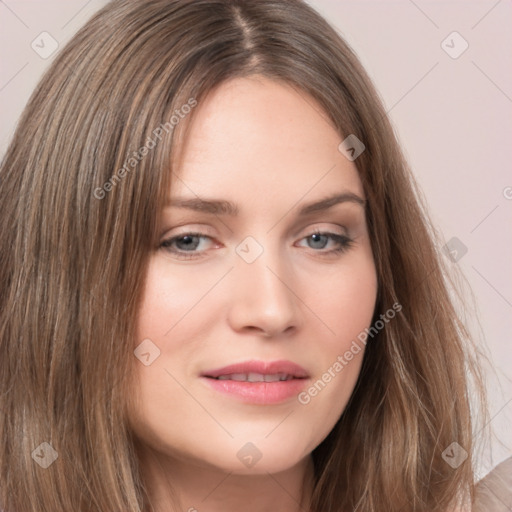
[449,96]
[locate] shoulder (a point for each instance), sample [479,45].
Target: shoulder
[494,492]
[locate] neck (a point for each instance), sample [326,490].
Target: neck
[178,485]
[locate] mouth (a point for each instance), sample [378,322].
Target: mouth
[258,371]
[256,377]
[258,382]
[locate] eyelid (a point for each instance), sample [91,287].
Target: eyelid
[328,226]
[187,229]
[190,229]
[343,243]
[322,227]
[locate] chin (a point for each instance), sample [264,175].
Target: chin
[245,457]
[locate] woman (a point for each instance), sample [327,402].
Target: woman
[219,286]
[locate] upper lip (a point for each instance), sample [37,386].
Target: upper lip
[261,367]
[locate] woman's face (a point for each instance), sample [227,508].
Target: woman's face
[235,301]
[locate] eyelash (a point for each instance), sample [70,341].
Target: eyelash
[344,243]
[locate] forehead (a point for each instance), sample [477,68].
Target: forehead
[261,136]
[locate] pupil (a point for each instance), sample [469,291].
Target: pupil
[187,241]
[317,238]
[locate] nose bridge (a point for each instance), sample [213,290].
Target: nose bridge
[263,298]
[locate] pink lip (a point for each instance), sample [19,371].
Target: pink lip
[265,368]
[262,393]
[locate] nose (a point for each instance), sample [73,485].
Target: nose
[262,297]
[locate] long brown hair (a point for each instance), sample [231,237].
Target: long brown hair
[79,200]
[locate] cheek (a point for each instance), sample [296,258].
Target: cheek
[166,317]
[344,300]
[170,298]
[346,304]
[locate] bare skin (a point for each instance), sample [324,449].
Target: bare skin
[304,298]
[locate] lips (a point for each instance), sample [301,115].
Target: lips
[256,377]
[258,382]
[248,370]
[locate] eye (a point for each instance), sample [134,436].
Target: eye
[194,245]
[185,246]
[321,239]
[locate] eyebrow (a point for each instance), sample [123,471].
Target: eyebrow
[224,207]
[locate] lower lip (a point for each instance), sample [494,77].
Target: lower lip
[263,393]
